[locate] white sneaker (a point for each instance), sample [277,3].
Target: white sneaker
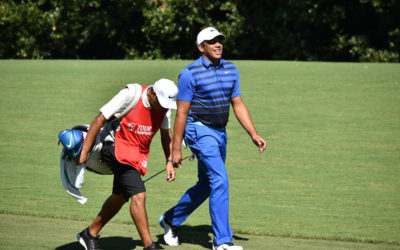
[227,246]
[171,232]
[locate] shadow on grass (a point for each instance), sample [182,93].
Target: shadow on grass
[196,235]
[107,243]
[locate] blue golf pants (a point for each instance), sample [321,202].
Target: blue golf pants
[209,146]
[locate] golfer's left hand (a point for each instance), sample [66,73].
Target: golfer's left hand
[170,172]
[260,143]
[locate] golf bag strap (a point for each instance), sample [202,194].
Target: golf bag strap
[82,127]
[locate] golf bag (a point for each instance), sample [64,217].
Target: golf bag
[72,174]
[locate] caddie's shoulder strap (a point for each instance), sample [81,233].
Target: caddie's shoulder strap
[134,94]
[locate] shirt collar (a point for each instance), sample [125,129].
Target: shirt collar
[207,64]
[145,101]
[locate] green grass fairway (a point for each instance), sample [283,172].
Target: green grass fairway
[329,179]
[60,235]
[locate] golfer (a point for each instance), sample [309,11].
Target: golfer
[129,157]
[207,87]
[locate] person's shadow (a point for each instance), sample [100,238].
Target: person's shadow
[196,235]
[108,243]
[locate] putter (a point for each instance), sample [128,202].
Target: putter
[190,157]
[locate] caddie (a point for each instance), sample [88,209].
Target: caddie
[128,156]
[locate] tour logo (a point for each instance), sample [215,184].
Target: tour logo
[139,129]
[144,130]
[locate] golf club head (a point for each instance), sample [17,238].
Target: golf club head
[72,141]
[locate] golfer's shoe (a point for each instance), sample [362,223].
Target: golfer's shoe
[171,231]
[152,246]
[226,246]
[87,241]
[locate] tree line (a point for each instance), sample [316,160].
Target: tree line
[324,30]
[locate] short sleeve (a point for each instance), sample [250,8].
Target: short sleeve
[185,86]
[236,85]
[166,122]
[116,104]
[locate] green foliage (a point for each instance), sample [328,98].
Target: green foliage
[99,29]
[70,29]
[321,29]
[25,29]
[359,49]
[364,30]
[171,32]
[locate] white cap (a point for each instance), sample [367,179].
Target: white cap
[208,34]
[166,92]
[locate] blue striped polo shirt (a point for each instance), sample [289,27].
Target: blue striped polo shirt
[209,88]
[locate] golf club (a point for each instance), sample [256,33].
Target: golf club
[190,157]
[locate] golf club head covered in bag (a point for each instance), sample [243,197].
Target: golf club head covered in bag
[72,141]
